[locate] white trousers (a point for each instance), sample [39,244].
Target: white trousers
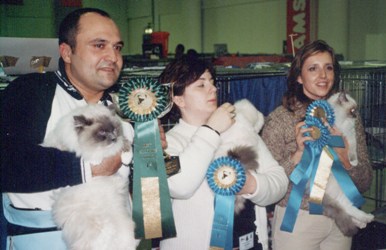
[311,232]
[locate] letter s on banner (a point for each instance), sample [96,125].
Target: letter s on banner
[300,23]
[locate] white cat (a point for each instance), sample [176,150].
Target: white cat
[335,203]
[239,140]
[95,215]
[92,132]
[345,109]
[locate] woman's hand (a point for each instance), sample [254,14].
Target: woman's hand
[222,118]
[300,139]
[250,184]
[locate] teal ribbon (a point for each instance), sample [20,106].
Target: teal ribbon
[143,100]
[305,171]
[149,162]
[222,228]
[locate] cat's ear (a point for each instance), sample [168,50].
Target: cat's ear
[342,97]
[80,121]
[113,108]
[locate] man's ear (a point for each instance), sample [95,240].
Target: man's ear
[179,101]
[65,52]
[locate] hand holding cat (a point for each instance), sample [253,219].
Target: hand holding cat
[164,143]
[250,184]
[108,166]
[222,118]
[300,139]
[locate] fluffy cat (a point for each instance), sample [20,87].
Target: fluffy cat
[345,109]
[335,203]
[94,215]
[92,132]
[247,156]
[238,141]
[338,207]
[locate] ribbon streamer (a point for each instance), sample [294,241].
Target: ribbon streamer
[143,100]
[226,177]
[317,162]
[321,178]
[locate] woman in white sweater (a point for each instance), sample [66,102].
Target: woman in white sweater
[199,138]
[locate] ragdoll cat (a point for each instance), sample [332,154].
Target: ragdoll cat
[239,140]
[248,158]
[335,203]
[345,109]
[92,132]
[94,215]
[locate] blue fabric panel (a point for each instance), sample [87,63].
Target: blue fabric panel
[265,92]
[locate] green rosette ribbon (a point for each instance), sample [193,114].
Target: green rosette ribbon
[143,100]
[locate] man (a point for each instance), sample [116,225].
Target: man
[90,64]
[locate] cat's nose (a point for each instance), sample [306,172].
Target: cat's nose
[113,138]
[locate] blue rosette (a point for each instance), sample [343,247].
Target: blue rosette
[320,133]
[232,170]
[143,100]
[321,109]
[226,177]
[318,112]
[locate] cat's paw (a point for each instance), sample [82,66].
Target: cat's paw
[362,220]
[126,157]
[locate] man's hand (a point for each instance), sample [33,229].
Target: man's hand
[164,143]
[108,166]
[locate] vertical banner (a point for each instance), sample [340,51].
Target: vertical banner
[301,23]
[71,3]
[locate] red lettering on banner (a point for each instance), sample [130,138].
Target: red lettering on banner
[71,3]
[298,24]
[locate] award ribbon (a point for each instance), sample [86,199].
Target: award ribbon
[225,177]
[143,100]
[317,163]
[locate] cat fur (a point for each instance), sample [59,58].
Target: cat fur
[345,109]
[239,140]
[336,205]
[92,132]
[95,215]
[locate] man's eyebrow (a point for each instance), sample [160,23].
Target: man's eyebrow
[101,40]
[120,43]
[98,40]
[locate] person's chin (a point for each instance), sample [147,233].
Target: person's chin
[109,80]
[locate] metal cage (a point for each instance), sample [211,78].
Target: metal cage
[367,87]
